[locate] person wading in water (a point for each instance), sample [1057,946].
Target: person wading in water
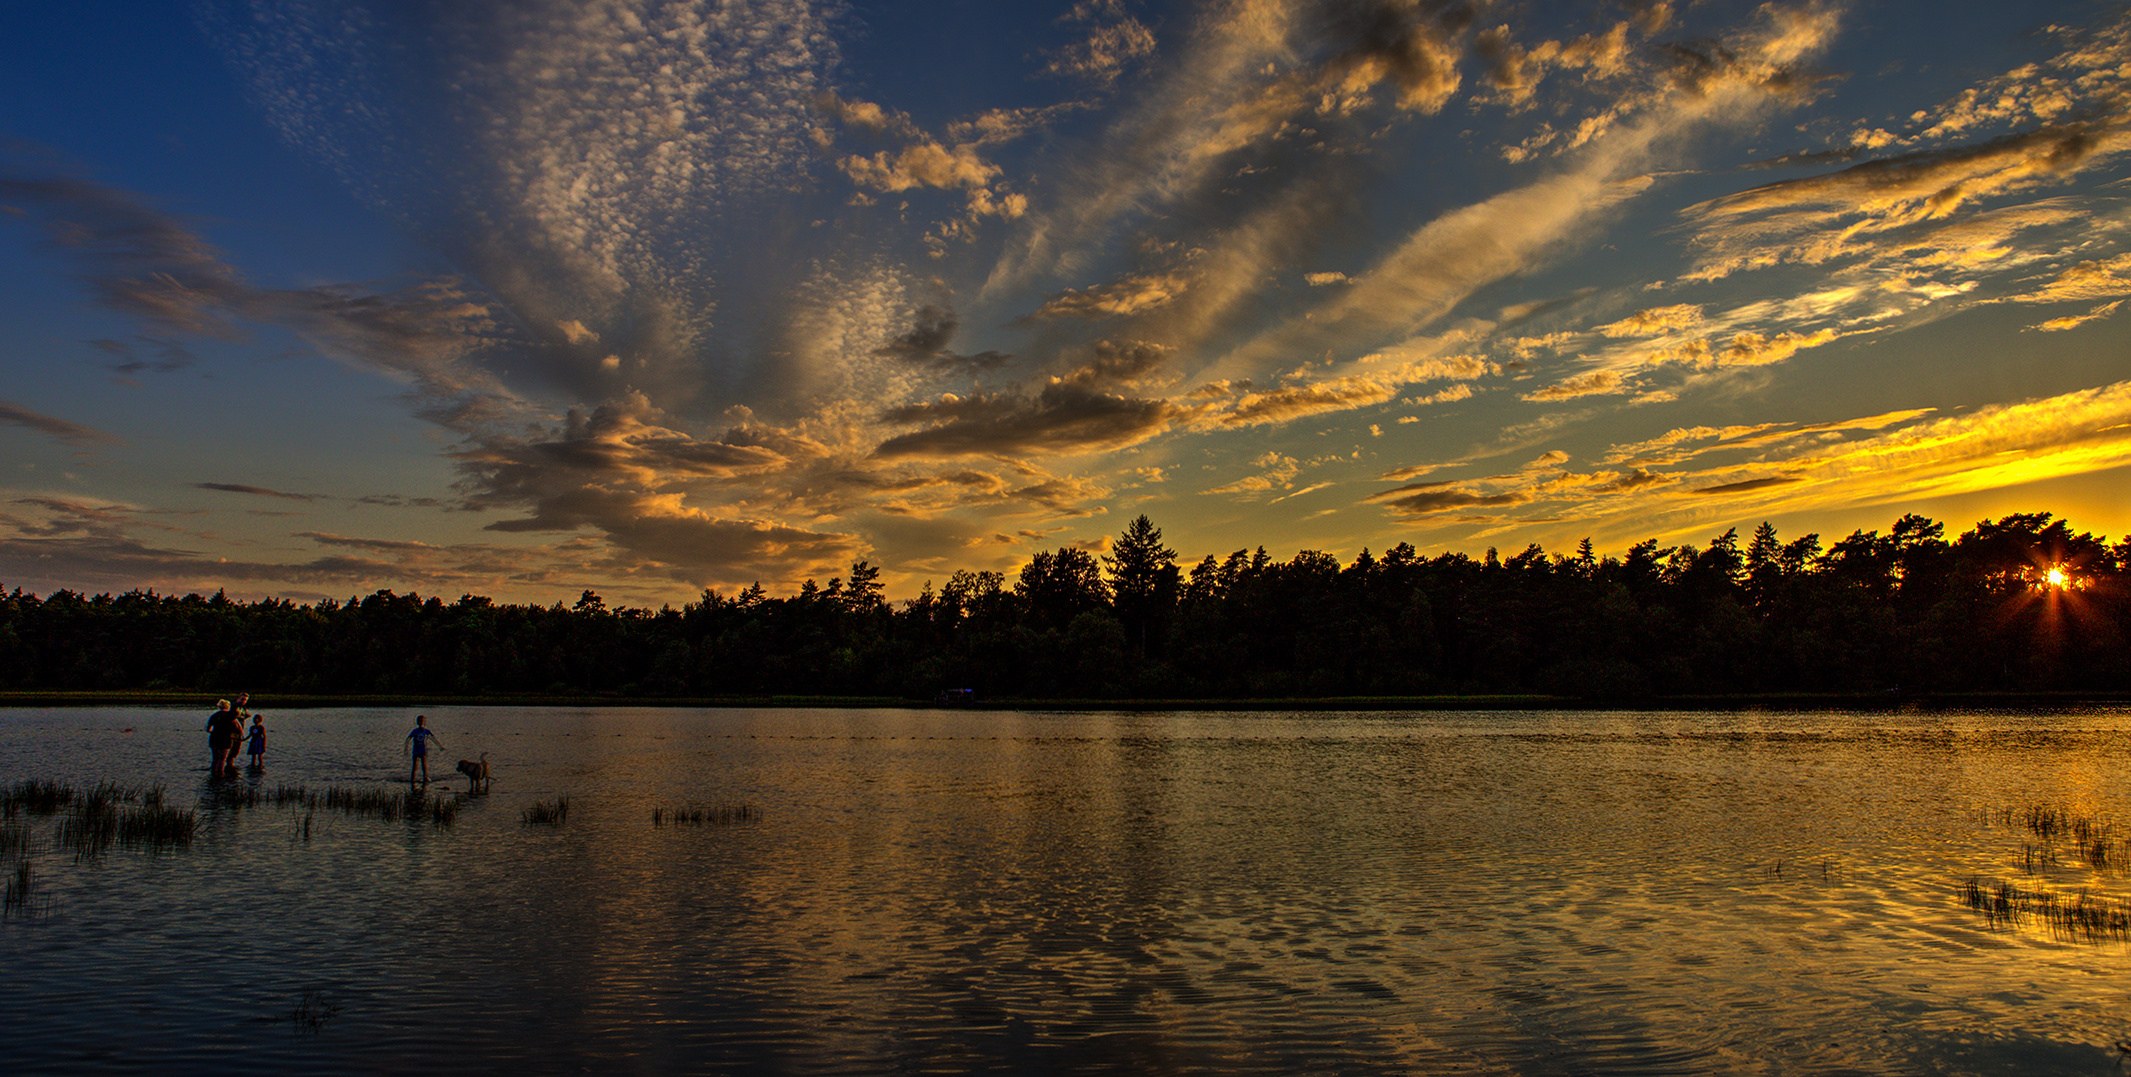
[418,740]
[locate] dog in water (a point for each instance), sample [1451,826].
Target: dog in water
[476,771]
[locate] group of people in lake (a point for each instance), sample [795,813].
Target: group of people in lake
[226,732]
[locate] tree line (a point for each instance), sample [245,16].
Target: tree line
[2021,603]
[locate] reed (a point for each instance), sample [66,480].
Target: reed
[313,1010]
[546,813]
[35,796]
[2083,915]
[722,815]
[14,841]
[156,827]
[236,796]
[18,899]
[2088,841]
[391,805]
[90,830]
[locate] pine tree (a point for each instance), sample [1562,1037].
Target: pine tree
[1144,581]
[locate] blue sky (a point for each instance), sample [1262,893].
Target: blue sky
[309,299]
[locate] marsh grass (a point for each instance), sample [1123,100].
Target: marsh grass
[313,1010]
[723,815]
[35,796]
[2061,835]
[546,812]
[2004,905]
[95,827]
[131,818]
[2061,838]
[107,815]
[19,901]
[391,805]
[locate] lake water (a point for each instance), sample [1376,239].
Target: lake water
[967,891]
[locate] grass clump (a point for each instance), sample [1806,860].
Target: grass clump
[14,841]
[313,1010]
[723,815]
[390,805]
[35,796]
[18,899]
[2063,835]
[546,812]
[2084,916]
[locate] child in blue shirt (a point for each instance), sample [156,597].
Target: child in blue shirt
[418,742]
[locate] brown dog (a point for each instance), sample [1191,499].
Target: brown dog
[476,771]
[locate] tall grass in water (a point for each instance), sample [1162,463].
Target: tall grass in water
[108,814]
[390,805]
[313,1011]
[718,816]
[546,813]
[2004,905]
[2089,841]
[18,900]
[96,825]
[35,797]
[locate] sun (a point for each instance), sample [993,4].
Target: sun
[2056,577]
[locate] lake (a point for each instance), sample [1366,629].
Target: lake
[960,891]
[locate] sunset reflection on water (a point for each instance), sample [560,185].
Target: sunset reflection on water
[1087,892]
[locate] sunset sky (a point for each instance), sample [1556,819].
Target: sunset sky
[311,298]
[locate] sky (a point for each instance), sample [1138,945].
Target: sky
[308,299]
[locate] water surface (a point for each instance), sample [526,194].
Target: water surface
[960,891]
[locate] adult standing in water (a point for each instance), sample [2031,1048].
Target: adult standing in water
[418,742]
[224,730]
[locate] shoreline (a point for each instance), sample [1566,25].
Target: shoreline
[1773,701]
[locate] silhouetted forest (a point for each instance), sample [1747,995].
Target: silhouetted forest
[2017,604]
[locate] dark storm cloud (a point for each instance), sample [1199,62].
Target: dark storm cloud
[1064,419]
[71,433]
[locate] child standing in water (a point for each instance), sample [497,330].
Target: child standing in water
[256,747]
[418,742]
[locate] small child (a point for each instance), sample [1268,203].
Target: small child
[257,746]
[418,740]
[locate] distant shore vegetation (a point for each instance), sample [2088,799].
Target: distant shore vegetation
[2019,604]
